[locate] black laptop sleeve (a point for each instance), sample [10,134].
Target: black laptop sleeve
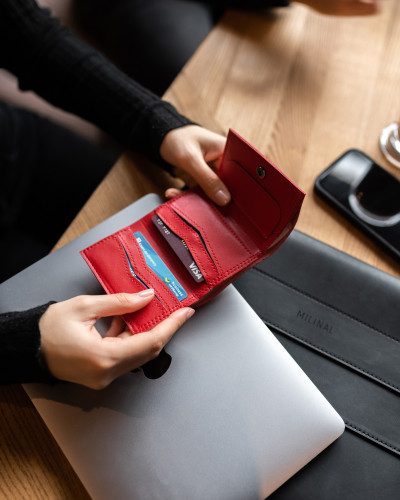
[339,318]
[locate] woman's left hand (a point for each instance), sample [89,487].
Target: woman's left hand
[195,152]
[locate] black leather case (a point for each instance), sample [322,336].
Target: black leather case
[339,318]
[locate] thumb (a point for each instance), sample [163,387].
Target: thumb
[209,181]
[136,350]
[99,306]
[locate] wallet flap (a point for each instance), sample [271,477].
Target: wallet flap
[263,193]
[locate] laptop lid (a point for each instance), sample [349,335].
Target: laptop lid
[233,417]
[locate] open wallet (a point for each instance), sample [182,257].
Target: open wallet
[189,249]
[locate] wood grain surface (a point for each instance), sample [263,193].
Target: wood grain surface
[302,88]
[32,466]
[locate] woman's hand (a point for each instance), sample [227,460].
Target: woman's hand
[196,152]
[343,7]
[73,349]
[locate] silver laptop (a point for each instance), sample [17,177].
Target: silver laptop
[233,417]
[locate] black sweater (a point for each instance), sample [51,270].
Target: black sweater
[50,60]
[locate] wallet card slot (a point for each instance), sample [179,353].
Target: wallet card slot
[194,288]
[179,248]
[107,259]
[197,217]
[198,233]
[141,268]
[194,241]
[134,274]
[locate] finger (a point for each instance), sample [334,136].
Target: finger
[172,192]
[184,176]
[117,327]
[211,184]
[138,349]
[99,306]
[215,164]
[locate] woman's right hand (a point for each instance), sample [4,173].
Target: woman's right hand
[74,350]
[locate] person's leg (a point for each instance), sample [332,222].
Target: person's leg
[46,174]
[18,250]
[67,171]
[150,40]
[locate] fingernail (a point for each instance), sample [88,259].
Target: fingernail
[146,293]
[221,197]
[189,313]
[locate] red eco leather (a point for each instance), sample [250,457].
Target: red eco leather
[224,241]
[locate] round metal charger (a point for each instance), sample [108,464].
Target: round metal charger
[390,144]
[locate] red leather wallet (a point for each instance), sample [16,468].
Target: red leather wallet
[189,249]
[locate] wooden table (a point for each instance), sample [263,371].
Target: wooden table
[302,88]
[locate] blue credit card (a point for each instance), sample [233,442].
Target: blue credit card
[156,264]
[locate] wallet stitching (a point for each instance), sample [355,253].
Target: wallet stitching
[221,276]
[204,236]
[221,219]
[356,429]
[243,209]
[179,222]
[102,279]
[329,353]
[242,266]
[160,286]
[326,304]
[104,283]
[123,247]
[163,312]
[110,289]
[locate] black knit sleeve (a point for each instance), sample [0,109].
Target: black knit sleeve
[50,60]
[19,347]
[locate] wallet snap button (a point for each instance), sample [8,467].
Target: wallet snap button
[261,172]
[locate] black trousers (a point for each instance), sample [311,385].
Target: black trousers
[151,40]
[47,173]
